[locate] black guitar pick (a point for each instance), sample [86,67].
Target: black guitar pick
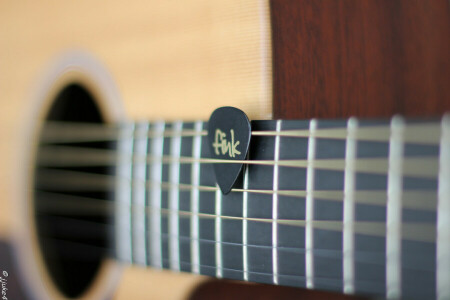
[229,133]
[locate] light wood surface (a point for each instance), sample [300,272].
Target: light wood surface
[169,60]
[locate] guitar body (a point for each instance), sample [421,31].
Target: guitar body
[140,61]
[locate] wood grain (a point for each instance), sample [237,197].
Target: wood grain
[222,290]
[169,59]
[365,58]
[368,58]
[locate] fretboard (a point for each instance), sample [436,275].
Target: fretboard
[352,205]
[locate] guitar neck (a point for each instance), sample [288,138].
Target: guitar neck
[347,206]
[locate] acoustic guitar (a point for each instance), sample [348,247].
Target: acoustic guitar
[113,184]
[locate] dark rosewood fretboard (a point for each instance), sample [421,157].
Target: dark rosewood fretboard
[345,205]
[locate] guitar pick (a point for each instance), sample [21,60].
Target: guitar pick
[229,133]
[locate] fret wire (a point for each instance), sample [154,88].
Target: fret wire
[174,177]
[309,209]
[244,224]
[275,206]
[155,193]
[394,210]
[348,242]
[195,195]
[124,192]
[443,215]
[218,233]
[139,191]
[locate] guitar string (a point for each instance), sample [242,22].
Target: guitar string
[62,156]
[426,133]
[64,180]
[417,231]
[79,156]
[371,257]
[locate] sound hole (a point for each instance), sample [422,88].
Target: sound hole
[73,244]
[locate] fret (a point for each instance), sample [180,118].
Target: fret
[195,198]
[443,218]
[326,211]
[139,191]
[418,236]
[260,261]
[275,205]
[291,263]
[207,205]
[165,198]
[349,208]
[174,178]
[309,231]
[232,235]
[394,210]
[123,208]
[155,243]
[367,211]
[245,225]
[188,200]
[218,233]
